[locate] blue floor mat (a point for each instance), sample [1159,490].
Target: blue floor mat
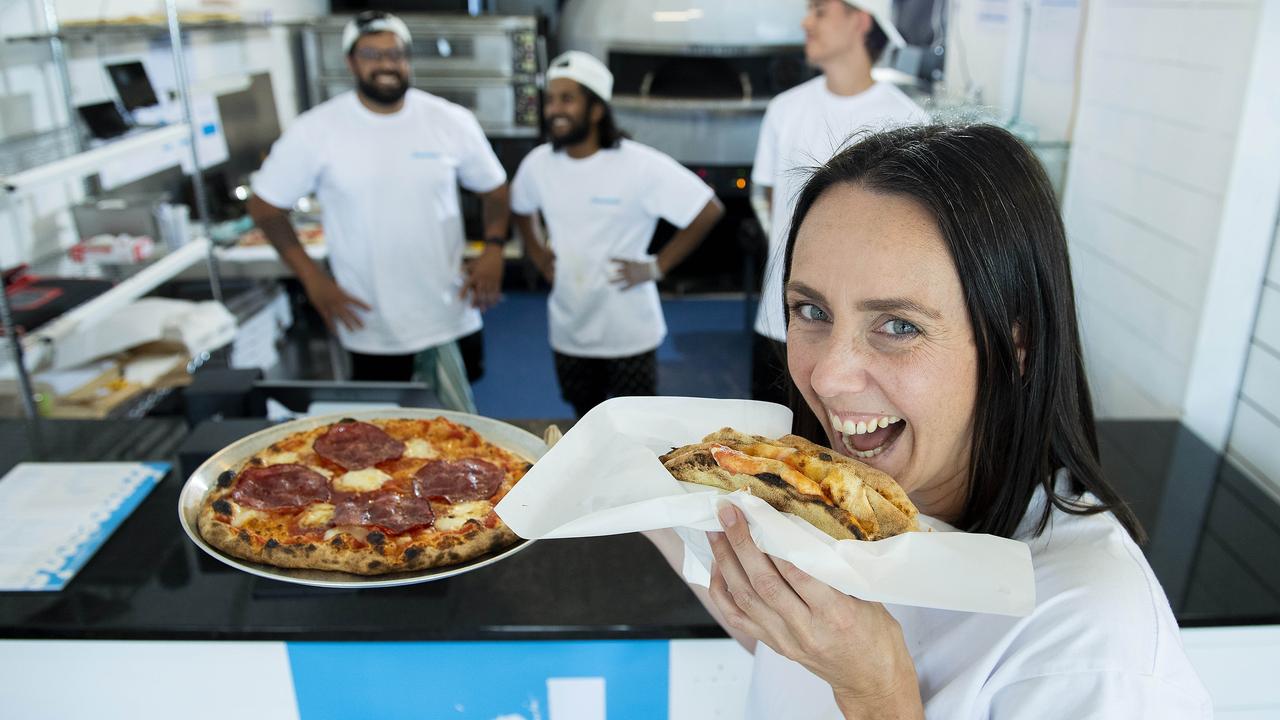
[707,353]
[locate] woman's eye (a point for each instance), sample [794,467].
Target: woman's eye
[899,328]
[811,312]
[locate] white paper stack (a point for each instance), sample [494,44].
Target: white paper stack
[604,478]
[54,516]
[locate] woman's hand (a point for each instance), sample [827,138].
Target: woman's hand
[855,646]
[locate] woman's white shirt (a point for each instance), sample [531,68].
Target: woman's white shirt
[1101,643]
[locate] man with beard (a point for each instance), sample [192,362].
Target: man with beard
[600,196]
[803,128]
[385,162]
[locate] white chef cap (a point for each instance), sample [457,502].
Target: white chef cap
[586,70]
[373,21]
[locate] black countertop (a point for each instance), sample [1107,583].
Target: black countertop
[1212,531]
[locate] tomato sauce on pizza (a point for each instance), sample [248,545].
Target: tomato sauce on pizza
[369,498]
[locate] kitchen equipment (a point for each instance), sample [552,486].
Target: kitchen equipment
[692,79]
[489,64]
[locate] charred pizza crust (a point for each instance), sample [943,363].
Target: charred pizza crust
[842,497]
[344,553]
[292,537]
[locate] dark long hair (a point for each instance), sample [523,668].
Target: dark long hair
[610,134]
[998,216]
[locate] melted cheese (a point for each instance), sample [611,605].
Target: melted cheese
[459,514]
[317,515]
[355,531]
[419,448]
[280,458]
[739,462]
[242,515]
[366,480]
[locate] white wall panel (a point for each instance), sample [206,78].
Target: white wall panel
[1251,204]
[1262,381]
[1132,133]
[1268,327]
[1153,316]
[983,39]
[1163,87]
[1273,275]
[1116,395]
[1185,215]
[1125,368]
[1149,256]
[1255,436]
[1255,430]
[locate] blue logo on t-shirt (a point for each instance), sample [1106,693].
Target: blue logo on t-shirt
[600,200]
[424,155]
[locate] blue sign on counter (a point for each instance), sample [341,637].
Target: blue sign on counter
[534,680]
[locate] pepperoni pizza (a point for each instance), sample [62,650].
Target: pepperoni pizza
[368,498]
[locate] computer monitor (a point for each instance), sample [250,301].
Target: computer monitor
[104,119]
[133,85]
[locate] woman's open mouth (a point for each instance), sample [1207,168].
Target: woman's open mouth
[868,438]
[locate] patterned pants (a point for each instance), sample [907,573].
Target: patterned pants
[586,382]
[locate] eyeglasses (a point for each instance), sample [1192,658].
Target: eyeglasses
[395,55]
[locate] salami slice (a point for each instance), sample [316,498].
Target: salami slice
[277,487]
[357,445]
[390,511]
[458,480]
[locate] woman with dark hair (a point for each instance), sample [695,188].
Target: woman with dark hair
[931,332]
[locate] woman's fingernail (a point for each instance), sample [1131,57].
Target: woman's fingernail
[728,516]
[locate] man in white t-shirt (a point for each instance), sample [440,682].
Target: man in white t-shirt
[601,196]
[803,128]
[385,162]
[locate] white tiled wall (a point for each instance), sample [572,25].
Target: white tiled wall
[1162,87]
[983,44]
[1255,433]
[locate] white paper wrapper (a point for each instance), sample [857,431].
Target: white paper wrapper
[604,478]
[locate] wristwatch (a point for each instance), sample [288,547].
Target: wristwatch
[495,240]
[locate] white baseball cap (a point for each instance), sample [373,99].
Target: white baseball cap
[882,11]
[586,70]
[373,21]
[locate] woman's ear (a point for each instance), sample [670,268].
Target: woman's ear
[1020,346]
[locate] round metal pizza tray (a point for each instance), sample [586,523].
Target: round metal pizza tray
[508,437]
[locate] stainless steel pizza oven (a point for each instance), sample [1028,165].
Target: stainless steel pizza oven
[489,64]
[693,78]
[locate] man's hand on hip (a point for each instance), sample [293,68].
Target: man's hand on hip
[335,304]
[629,273]
[484,278]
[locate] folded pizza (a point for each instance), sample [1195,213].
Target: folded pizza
[840,496]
